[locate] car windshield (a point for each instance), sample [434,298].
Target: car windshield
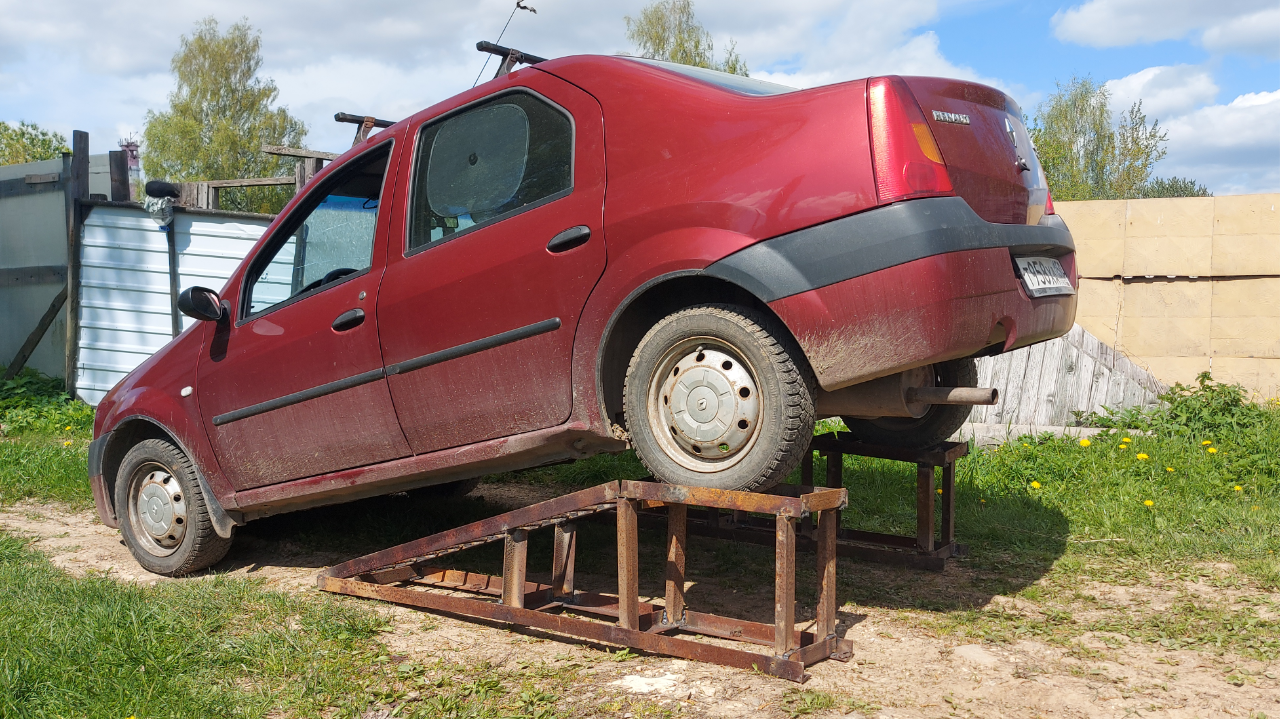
[736,83]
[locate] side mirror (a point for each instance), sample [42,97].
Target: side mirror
[200,303]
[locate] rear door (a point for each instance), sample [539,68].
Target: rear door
[293,385]
[477,312]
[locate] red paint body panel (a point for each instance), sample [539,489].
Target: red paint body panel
[489,281]
[290,349]
[929,310]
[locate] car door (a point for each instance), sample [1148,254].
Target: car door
[292,386]
[502,242]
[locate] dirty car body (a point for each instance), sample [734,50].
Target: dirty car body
[462,293]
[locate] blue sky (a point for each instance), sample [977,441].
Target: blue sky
[1209,71]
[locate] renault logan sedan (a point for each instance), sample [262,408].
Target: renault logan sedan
[588,254]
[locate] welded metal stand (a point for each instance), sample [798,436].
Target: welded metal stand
[402,575]
[924,550]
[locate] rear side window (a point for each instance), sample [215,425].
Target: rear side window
[486,163]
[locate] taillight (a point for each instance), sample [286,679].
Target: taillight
[1048,202]
[907,161]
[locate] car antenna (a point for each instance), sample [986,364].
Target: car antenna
[366,123]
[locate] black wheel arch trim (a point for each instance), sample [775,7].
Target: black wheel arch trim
[877,239]
[223,521]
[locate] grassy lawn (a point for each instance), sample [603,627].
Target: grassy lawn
[1184,501]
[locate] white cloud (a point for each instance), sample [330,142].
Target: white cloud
[110,59]
[1258,33]
[1225,23]
[1231,148]
[1164,90]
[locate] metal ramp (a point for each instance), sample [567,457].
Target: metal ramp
[405,574]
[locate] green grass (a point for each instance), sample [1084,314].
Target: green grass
[210,648]
[44,439]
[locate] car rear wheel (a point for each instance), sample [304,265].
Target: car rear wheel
[718,396]
[938,423]
[162,511]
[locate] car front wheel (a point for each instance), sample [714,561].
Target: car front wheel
[162,512]
[718,396]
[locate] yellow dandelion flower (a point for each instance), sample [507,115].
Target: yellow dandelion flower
[1125,440]
[1239,489]
[1123,446]
[1213,450]
[1257,507]
[67,443]
[1169,469]
[1025,445]
[1148,503]
[1207,442]
[1035,484]
[1084,442]
[1142,456]
[68,427]
[939,491]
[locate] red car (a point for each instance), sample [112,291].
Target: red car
[588,253]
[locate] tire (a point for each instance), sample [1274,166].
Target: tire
[938,424]
[737,416]
[174,536]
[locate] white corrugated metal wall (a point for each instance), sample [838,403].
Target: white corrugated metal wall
[125,308]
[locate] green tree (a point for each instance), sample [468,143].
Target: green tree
[27,142]
[220,115]
[1087,156]
[669,30]
[1174,187]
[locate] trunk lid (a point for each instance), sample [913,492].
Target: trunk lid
[984,142]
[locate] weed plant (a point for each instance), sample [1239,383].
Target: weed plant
[44,438]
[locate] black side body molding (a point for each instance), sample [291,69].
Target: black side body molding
[475,346]
[300,396]
[877,239]
[417,363]
[97,448]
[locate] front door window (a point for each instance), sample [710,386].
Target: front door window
[328,239]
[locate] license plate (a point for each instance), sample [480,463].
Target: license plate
[1043,276]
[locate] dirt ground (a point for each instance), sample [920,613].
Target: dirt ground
[900,667]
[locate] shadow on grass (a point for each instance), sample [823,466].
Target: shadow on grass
[1013,541]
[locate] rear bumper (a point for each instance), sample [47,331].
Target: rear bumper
[907,285]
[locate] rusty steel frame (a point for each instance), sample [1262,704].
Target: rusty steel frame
[402,575]
[922,550]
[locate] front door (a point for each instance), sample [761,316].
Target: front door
[502,242]
[292,386]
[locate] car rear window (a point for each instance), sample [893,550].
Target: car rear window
[736,83]
[486,163]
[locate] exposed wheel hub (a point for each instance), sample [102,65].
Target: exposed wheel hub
[160,511]
[707,400]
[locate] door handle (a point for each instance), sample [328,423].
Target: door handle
[569,239]
[348,320]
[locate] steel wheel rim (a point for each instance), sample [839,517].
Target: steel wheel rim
[157,510]
[704,404]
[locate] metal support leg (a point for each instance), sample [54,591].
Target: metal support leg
[628,566]
[514,563]
[948,504]
[565,548]
[713,517]
[835,475]
[827,604]
[806,469]
[784,592]
[924,507]
[677,515]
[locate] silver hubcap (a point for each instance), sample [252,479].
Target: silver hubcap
[704,405]
[159,510]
